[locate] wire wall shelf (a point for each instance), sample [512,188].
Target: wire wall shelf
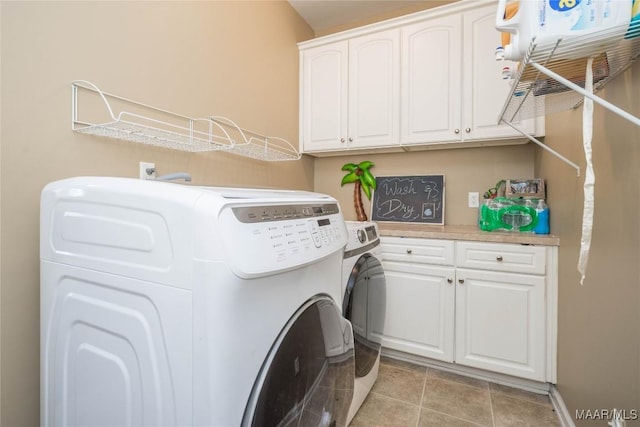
[551,77]
[142,123]
[555,76]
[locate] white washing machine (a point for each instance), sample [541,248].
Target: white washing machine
[164,304]
[364,304]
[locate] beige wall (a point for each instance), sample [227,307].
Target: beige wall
[240,59]
[236,59]
[465,170]
[598,341]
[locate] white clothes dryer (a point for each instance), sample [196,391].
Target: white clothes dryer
[165,304]
[364,304]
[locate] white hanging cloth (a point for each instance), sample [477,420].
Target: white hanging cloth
[589,178]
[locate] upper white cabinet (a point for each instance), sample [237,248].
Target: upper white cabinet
[484,89]
[431,80]
[350,93]
[452,90]
[423,80]
[323,118]
[374,90]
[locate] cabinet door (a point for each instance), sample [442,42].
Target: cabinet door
[500,322]
[485,91]
[374,90]
[431,77]
[420,303]
[323,115]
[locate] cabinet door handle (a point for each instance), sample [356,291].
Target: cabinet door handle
[342,140]
[467,130]
[456,131]
[449,280]
[499,258]
[461,281]
[409,251]
[350,139]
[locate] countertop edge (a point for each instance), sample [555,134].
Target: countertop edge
[464,232]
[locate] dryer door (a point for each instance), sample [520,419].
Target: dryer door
[364,306]
[308,376]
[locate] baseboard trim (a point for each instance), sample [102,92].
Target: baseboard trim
[561,409]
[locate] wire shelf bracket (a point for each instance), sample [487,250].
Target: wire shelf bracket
[545,147]
[142,123]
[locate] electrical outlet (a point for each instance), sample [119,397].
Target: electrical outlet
[145,168]
[474,199]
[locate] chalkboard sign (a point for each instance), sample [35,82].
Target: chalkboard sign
[409,199]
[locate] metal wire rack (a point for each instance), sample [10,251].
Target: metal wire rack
[550,78]
[251,144]
[142,123]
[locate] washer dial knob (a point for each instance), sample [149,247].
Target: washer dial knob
[362,236]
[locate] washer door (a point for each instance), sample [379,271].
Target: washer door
[364,306]
[308,376]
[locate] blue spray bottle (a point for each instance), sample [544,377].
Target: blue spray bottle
[542,211]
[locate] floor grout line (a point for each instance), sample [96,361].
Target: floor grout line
[424,388]
[493,418]
[393,398]
[454,417]
[402,368]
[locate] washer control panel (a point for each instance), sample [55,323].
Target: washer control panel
[271,238]
[256,214]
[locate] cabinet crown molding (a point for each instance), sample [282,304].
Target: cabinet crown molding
[387,24]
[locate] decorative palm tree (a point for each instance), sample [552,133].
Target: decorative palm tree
[360,175]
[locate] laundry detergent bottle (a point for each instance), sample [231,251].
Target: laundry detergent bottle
[634,26]
[573,21]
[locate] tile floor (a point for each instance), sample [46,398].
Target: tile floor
[410,395]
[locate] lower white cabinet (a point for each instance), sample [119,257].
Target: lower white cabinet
[489,316]
[420,310]
[500,322]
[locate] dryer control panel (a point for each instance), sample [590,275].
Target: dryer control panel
[268,239]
